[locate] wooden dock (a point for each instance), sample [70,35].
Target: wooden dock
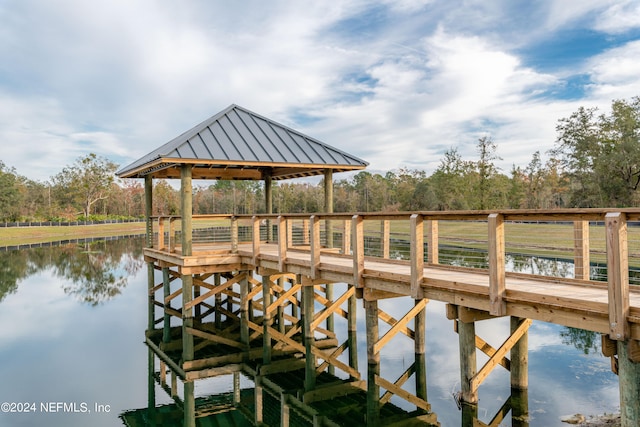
[249,289]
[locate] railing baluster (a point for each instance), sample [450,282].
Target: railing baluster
[433,241]
[346,237]
[497,286]
[315,247]
[417,254]
[234,234]
[581,261]
[255,239]
[357,229]
[282,241]
[160,245]
[384,243]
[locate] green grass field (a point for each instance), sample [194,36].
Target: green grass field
[13,236]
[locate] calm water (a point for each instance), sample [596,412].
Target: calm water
[73,321]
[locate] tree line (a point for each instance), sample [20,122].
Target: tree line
[595,163]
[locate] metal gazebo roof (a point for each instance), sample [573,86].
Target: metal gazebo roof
[239,144]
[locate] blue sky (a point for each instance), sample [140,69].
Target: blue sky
[395,83]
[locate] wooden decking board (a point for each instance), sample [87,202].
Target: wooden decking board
[583,303]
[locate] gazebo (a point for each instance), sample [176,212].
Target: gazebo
[238,144]
[235,144]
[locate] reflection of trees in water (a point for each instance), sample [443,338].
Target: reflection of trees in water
[585,341]
[540,265]
[96,271]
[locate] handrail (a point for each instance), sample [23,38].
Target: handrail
[424,230]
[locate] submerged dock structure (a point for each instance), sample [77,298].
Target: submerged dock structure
[273,297]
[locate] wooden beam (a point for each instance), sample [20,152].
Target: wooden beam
[387,385]
[522,328]
[334,391]
[332,308]
[421,304]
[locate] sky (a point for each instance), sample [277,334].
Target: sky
[395,83]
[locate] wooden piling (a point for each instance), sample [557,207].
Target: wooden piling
[519,358]
[629,383]
[468,367]
[308,302]
[166,285]
[352,331]
[373,364]
[420,353]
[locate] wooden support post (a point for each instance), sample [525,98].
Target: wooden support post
[385,238]
[315,247]
[357,228]
[417,255]
[151,385]
[186,197]
[328,204]
[308,301]
[174,384]
[581,260]
[420,352]
[148,209]
[267,322]
[352,331]
[284,410]
[497,287]
[433,249]
[519,408]
[189,404]
[151,306]
[148,198]
[166,284]
[629,382]
[259,401]
[519,365]
[617,275]
[468,367]
[328,288]
[373,364]
[268,195]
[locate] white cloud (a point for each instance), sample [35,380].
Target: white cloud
[409,80]
[619,17]
[615,74]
